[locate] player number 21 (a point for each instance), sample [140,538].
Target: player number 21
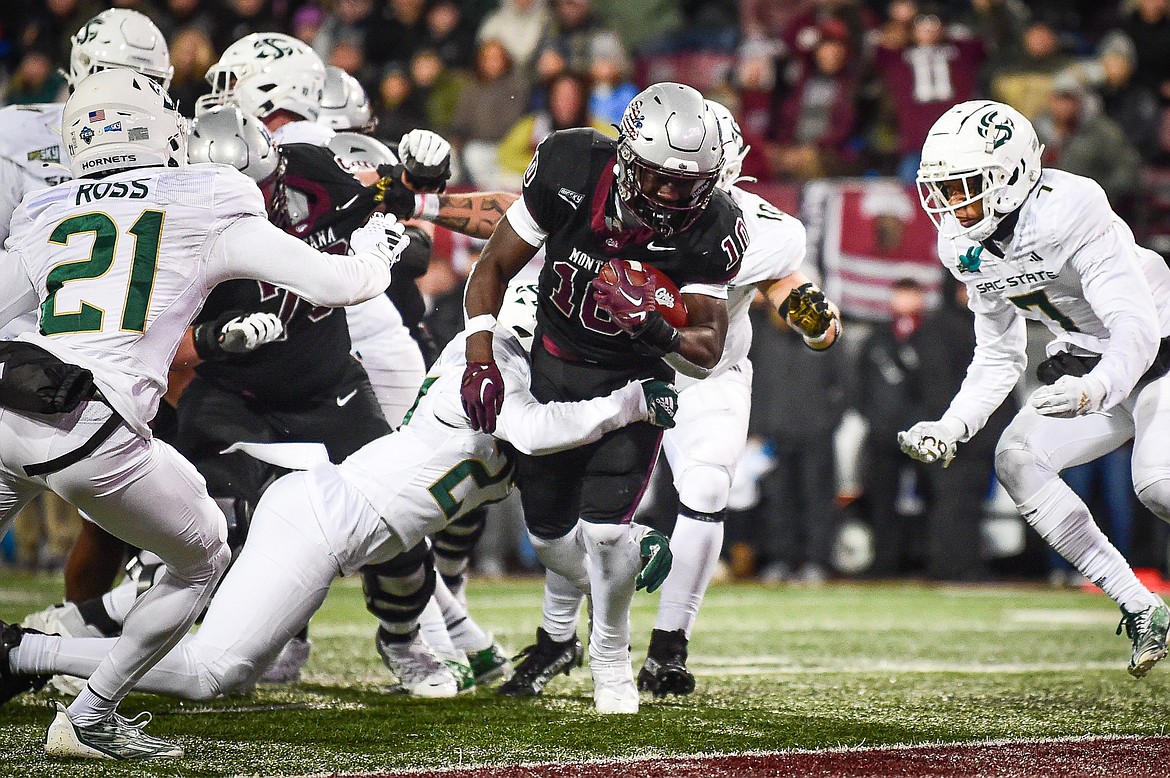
[147,232]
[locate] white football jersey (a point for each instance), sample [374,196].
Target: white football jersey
[120,266]
[32,154]
[776,248]
[303,132]
[435,467]
[1072,264]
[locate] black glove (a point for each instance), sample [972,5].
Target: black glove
[391,192]
[657,337]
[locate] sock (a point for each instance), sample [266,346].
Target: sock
[90,708]
[614,560]
[434,631]
[467,636]
[695,546]
[1064,522]
[33,655]
[562,607]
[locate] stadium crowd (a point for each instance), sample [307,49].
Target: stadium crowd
[823,89]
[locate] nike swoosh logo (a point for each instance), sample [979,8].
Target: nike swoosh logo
[347,203]
[631,300]
[652,247]
[341,401]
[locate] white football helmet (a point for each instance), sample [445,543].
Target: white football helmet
[265,72]
[120,38]
[117,119]
[518,311]
[354,150]
[668,136]
[227,135]
[987,150]
[344,103]
[734,149]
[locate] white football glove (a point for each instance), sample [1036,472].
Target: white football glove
[383,235]
[247,333]
[423,147]
[1070,396]
[931,441]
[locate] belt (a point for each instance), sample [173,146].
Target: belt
[79,453]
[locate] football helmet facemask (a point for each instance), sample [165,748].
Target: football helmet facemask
[669,156]
[120,38]
[979,150]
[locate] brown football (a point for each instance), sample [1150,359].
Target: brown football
[631,274]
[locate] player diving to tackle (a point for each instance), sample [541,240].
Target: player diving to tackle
[1042,244]
[312,526]
[118,262]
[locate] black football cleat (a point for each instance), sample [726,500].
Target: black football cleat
[12,684]
[538,663]
[665,671]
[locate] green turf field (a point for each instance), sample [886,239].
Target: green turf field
[778,667]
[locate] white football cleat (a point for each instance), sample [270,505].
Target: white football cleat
[114,737]
[64,620]
[419,672]
[614,690]
[287,666]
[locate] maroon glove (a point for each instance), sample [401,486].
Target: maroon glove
[629,305]
[483,394]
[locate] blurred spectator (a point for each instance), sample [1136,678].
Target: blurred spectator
[1148,26]
[577,39]
[191,55]
[450,34]
[612,89]
[813,127]
[955,494]
[44,532]
[896,33]
[846,20]
[1080,139]
[36,80]
[520,26]
[348,53]
[1111,478]
[441,88]
[238,18]
[1131,104]
[888,396]
[307,22]
[401,108]
[1000,24]
[350,21]
[924,79]
[1025,85]
[397,31]
[649,26]
[568,107]
[795,522]
[48,26]
[486,111]
[185,13]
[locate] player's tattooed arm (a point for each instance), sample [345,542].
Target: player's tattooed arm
[475,214]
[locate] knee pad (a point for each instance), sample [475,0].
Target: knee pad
[1155,494]
[704,488]
[397,592]
[1022,471]
[455,542]
[565,556]
[601,536]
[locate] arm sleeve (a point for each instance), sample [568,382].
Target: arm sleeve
[537,428]
[1000,357]
[521,221]
[17,293]
[251,247]
[1116,289]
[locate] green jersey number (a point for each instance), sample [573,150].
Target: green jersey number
[443,490]
[1040,300]
[147,232]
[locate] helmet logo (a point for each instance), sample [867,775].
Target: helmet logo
[632,120]
[86,135]
[997,131]
[89,31]
[271,48]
